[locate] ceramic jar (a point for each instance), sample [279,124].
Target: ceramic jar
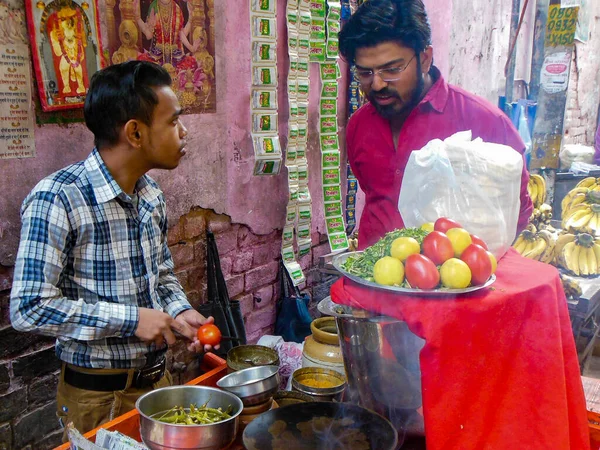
[322,348]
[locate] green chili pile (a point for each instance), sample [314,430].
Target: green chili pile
[362,265]
[194,416]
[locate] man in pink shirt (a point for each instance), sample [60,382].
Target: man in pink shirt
[410,104]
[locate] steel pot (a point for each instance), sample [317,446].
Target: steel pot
[381,360]
[254,385]
[164,436]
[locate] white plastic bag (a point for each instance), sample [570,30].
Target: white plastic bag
[475,183]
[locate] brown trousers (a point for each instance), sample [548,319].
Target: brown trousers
[90,409]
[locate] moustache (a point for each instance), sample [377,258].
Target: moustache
[385,92]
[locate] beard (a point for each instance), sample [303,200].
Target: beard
[400,108]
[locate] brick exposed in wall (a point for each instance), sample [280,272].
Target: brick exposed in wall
[36,425]
[5,436]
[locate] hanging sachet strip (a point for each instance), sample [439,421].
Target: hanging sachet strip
[298,215]
[263,97]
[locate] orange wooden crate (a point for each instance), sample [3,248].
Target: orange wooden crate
[129,423]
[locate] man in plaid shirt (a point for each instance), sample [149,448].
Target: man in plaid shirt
[93,267]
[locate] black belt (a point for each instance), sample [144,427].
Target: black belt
[142,378]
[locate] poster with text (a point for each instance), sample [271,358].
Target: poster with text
[16,106]
[177,34]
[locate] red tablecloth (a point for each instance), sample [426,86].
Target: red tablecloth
[499,366]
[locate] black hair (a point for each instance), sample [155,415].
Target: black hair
[120,93]
[378,21]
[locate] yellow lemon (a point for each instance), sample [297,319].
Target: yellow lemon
[403,247]
[455,274]
[428,226]
[460,239]
[494,262]
[388,271]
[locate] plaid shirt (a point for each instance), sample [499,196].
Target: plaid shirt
[88,259]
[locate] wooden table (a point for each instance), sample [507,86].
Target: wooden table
[129,423]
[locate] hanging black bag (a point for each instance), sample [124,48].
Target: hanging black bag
[227,313]
[293,318]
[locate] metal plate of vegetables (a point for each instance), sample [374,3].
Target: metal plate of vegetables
[362,266]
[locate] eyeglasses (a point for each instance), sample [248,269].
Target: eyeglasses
[387,75]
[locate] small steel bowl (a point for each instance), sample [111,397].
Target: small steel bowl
[254,385]
[300,383]
[165,436]
[245,356]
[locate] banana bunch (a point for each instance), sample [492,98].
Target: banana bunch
[542,216]
[537,189]
[538,245]
[581,195]
[583,218]
[571,286]
[578,254]
[590,183]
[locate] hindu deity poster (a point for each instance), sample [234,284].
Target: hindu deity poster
[177,34]
[65,43]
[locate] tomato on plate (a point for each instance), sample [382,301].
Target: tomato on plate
[437,247]
[421,272]
[477,240]
[443,224]
[209,334]
[479,262]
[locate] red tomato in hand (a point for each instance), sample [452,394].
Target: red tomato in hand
[479,262]
[421,272]
[477,240]
[443,224]
[437,247]
[209,334]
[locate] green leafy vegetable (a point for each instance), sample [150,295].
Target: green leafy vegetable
[362,265]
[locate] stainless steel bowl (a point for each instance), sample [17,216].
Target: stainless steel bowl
[164,436]
[254,385]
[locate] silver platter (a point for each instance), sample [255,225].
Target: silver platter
[339,260]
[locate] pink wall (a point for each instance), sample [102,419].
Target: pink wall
[440,19]
[216,173]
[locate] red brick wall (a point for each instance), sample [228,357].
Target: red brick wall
[250,263]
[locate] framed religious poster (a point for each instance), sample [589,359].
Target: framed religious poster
[177,34]
[66,49]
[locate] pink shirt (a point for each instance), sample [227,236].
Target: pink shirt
[379,168]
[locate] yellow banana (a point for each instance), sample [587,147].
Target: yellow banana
[536,249]
[578,219]
[541,185]
[561,241]
[583,262]
[526,246]
[592,261]
[519,243]
[572,257]
[594,223]
[596,250]
[533,191]
[570,195]
[587,182]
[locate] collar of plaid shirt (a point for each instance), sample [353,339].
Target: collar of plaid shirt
[88,259]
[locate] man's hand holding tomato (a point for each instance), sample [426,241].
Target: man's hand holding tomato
[195,320]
